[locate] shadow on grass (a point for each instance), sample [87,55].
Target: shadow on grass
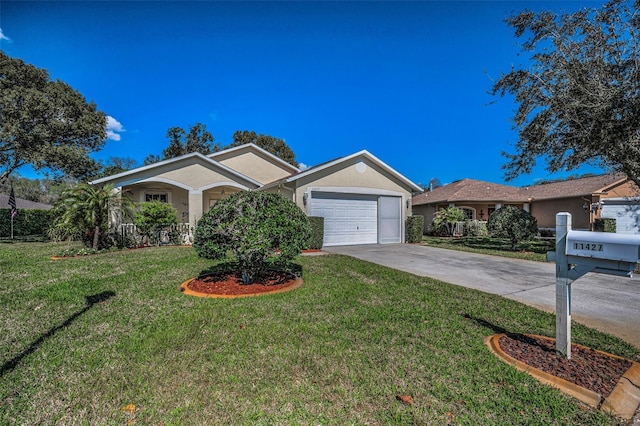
[91,300]
[500,330]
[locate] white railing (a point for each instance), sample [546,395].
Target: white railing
[129,235]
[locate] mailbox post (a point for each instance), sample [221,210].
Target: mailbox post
[578,253]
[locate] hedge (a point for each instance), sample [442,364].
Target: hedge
[415,226]
[317,232]
[605,224]
[28,222]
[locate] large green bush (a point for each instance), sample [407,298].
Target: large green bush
[513,224]
[258,228]
[153,217]
[415,227]
[317,232]
[28,222]
[444,221]
[605,224]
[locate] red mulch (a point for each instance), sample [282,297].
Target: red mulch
[230,283]
[587,368]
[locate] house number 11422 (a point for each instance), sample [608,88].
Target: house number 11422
[588,246]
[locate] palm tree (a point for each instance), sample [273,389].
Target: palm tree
[86,208]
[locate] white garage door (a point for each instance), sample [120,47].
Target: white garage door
[626,212]
[348,218]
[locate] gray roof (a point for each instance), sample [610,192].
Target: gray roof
[22,204]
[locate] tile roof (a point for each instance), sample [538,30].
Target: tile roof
[480,191]
[22,204]
[574,187]
[471,190]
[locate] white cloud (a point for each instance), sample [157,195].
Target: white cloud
[4,37]
[302,166]
[114,127]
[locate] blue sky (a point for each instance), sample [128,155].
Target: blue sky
[407,81]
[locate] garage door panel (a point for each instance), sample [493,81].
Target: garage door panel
[349,218]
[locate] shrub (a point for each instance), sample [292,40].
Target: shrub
[153,217]
[512,223]
[475,228]
[444,221]
[258,228]
[605,224]
[415,226]
[28,222]
[317,232]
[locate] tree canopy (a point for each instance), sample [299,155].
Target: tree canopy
[275,146]
[45,123]
[579,97]
[181,142]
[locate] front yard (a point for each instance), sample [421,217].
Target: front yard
[109,339]
[528,250]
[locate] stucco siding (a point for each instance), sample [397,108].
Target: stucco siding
[362,175]
[194,176]
[178,197]
[545,212]
[256,167]
[626,189]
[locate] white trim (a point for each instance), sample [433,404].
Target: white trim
[355,190]
[364,153]
[155,191]
[228,183]
[193,155]
[159,180]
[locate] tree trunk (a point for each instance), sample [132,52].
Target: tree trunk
[96,237]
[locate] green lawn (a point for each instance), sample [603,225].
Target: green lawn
[82,338]
[528,250]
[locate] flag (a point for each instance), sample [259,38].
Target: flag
[12,203]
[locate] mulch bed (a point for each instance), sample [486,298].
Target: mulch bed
[587,367]
[230,283]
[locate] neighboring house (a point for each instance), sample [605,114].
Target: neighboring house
[609,195]
[22,204]
[363,200]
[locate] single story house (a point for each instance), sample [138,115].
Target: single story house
[363,200]
[588,198]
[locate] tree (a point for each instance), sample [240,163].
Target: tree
[153,216]
[45,123]
[115,165]
[579,100]
[512,223]
[444,220]
[85,208]
[256,227]
[197,139]
[276,146]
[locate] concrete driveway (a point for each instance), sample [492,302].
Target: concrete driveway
[607,303]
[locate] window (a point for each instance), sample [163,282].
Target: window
[163,198]
[468,212]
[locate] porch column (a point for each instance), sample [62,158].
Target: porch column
[195,207]
[498,206]
[526,207]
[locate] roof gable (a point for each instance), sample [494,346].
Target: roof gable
[174,164]
[253,161]
[360,154]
